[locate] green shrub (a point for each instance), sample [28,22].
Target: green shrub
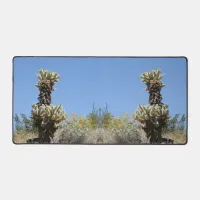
[71,132]
[100,117]
[79,131]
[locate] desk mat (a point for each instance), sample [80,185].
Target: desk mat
[93,100]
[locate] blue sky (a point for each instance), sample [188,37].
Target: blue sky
[99,80]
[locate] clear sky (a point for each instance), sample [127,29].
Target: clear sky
[99,80]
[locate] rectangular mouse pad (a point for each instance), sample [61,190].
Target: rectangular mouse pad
[100,100]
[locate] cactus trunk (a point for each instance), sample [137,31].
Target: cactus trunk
[45,93]
[45,99]
[47,131]
[155,96]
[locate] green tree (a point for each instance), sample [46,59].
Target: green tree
[176,123]
[24,123]
[172,124]
[18,123]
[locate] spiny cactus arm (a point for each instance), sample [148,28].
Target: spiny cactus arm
[148,113]
[154,75]
[49,112]
[45,75]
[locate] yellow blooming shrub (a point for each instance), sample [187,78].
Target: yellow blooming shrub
[119,122]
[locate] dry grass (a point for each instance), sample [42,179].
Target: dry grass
[100,136]
[22,136]
[94,137]
[177,137]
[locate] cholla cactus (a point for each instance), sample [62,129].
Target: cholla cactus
[153,119]
[46,82]
[46,116]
